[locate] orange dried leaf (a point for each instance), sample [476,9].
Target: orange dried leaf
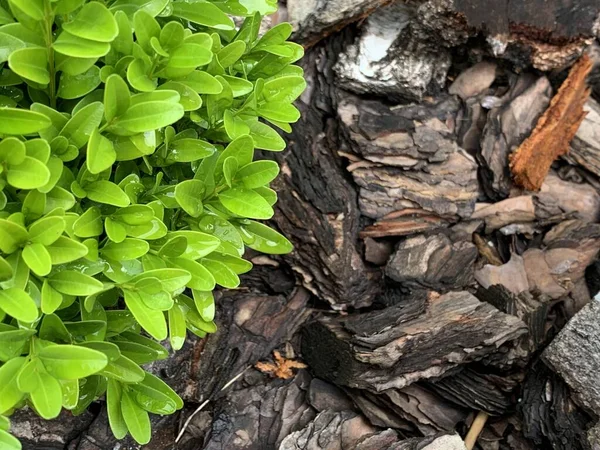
[554,131]
[281,368]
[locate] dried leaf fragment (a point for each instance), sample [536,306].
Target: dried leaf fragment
[554,131]
[281,368]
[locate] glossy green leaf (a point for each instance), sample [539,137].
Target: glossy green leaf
[17,303]
[177,328]
[101,153]
[202,82]
[31,63]
[261,238]
[89,224]
[189,56]
[128,249]
[33,8]
[67,6]
[74,283]
[8,441]
[70,45]
[47,396]
[284,89]
[107,192]
[76,86]
[223,275]
[51,298]
[12,151]
[201,277]
[12,236]
[65,250]
[199,244]
[188,98]
[94,22]
[246,203]
[258,173]
[71,362]
[37,258]
[30,174]
[146,27]
[189,196]
[10,394]
[171,35]
[116,97]
[70,393]
[14,121]
[113,405]
[150,116]
[203,13]
[139,77]
[136,419]
[81,126]
[152,321]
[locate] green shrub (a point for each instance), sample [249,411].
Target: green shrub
[128,189]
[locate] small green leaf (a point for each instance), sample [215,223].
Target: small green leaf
[173,247]
[246,203]
[71,362]
[31,63]
[189,56]
[202,82]
[47,396]
[76,86]
[189,196]
[51,298]
[284,89]
[146,27]
[37,258]
[6,271]
[203,13]
[10,394]
[14,121]
[205,304]
[138,76]
[231,53]
[108,193]
[75,283]
[18,304]
[113,405]
[230,167]
[116,97]
[33,8]
[171,35]
[81,126]
[201,278]
[101,153]
[70,393]
[8,441]
[188,98]
[152,321]
[12,151]
[71,45]
[261,238]
[258,173]
[65,250]
[222,274]
[30,174]
[67,6]
[136,419]
[128,249]
[177,328]
[89,224]
[149,116]
[94,22]
[12,236]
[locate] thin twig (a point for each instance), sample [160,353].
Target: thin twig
[476,429]
[205,402]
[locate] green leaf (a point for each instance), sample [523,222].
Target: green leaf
[234,126]
[201,278]
[12,343]
[126,250]
[116,97]
[12,151]
[188,98]
[81,126]
[202,82]
[138,76]
[230,167]
[71,362]
[136,419]
[53,329]
[51,299]
[261,238]
[152,400]
[14,121]
[189,196]
[38,149]
[177,328]
[123,43]
[265,137]
[70,393]
[222,274]
[284,89]
[263,7]
[12,236]
[258,173]
[173,247]
[10,395]
[31,63]
[89,224]
[276,35]
[189,56]
[151,320]
[65,250]
[242,149]
[246,203]
[159,385]
[8,441]
[67,6]
[18,304]
[101,153]
[47,396]
[149,116]
[6,271]
[205,304]
[113,405]
[33,8]
[171,279]
[71,45]
[56,121]
[94,22]
[203,13]
[231,53]
[171,35]
[199,244]
[75,283]
[46,230]
[108,193]
[134,214]
[139,354]
[76,86]
[189,150]
[30,174]
[37,258]
[146,27]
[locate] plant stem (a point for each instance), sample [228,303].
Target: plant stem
[49,41]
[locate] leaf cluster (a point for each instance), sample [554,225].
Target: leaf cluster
[129,189]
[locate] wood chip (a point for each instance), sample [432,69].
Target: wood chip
[555,130]
[282,368]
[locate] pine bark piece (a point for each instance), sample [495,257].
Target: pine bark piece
[585,148]
[575,355]
[554,131]
[395,347]
[404,223]
[317,207]
[433,262]
[550,417]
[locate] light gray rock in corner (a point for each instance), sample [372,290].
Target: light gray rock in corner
[448,442]
[575,355]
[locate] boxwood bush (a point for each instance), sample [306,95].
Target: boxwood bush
[129,190]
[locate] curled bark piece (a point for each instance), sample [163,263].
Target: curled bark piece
[554,131]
